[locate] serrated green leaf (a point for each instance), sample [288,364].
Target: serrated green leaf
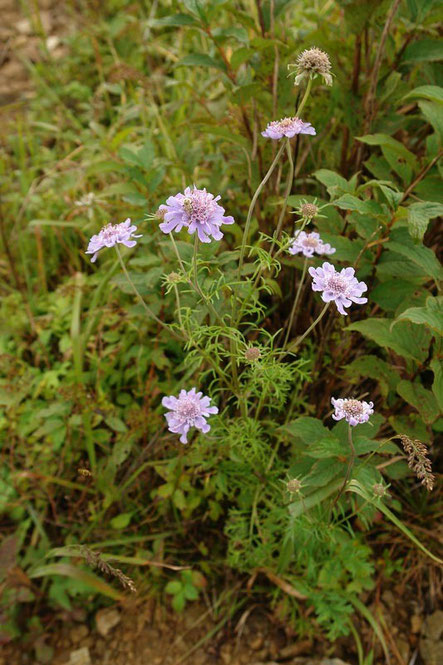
[431,315]
[374,368]
[433,112]
[424,50]
[421,399]
[437,386]
[420,255]
[407,339]
[433,93]
[419,215]
[309,430]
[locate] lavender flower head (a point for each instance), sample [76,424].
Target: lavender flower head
[309,244]
[341,287]
[196,209]
[188,410]
[353,411]
[288,127]
[110,235]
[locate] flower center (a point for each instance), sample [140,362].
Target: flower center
[199,206]
[309,241]
[188,409]
[353,407]
[338,285]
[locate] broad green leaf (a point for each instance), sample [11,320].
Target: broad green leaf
[326,448]
[368,207]
[386,141]
[146,155]
[176,20]
[425,50]
[433,112]
[431,315]
[434,93]
[420,255]
[121,521]
[374,368]
[334,183]
[419,215]
[421,399]
[309,430]
[407,339]
[174,587]
[390,294]
[437,386]
[200,60]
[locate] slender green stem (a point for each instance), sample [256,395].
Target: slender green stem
[304,99]
[205,298]
[297,343]
[297,298]
[287,193]
[252,205]
[140,299]
[179,258]
[179,313]
[349,469]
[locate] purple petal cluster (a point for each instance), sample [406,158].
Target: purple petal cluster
[341,287]
[110,235]
[197,210]
[309,244]
[189,409]
[353,411]
[288,127]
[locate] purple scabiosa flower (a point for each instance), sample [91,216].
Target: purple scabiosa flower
[353,411]
[309,244]
[288,127]
[188,410]
[341,287]
[110,235]
[196,209]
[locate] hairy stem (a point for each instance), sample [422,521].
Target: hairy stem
[297,298]
[147,309]
[252,206]
[297,343]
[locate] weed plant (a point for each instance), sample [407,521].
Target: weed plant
[244,303]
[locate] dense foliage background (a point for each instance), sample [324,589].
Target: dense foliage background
[152,97]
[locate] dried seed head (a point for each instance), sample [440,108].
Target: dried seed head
[252,353]
[311,63]
[308,210]
[293,486]
[418,460]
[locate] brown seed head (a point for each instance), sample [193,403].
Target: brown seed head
[308,210]
[314,61]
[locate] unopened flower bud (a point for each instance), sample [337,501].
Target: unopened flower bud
[311,63]
[173,277]
[160,214]
[293,486]
[252,353]
[379,489]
